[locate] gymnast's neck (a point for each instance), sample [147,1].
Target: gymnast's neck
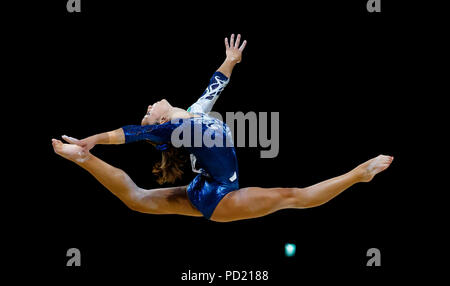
[176,112]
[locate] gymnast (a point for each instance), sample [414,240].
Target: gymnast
[214,193]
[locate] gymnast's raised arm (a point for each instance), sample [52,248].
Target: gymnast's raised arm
[220,78]
[233,55]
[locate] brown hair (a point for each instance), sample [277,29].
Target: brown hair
[169,169]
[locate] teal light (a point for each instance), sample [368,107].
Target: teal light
[289,249]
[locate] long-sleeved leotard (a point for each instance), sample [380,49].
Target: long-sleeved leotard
[205,103]
[216,164]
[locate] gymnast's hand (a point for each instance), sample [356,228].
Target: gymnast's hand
[233,51]
[87,143]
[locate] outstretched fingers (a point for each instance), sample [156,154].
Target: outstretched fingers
[243,45]
[70,140]
[235,45]
[238,40]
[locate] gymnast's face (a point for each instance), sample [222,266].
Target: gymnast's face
[157,113]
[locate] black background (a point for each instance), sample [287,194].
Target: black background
[345,84]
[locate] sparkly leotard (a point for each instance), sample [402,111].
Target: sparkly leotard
[217,164]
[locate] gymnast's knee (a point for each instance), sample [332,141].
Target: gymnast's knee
[132,202]
[304,199]
[140,201]
[142,207]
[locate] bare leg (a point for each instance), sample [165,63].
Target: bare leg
[255,202]
[322,192]
[156,201]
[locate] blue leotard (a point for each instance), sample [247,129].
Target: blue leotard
[217,165]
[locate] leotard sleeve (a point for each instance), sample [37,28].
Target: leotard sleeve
[205,103]
[157,133]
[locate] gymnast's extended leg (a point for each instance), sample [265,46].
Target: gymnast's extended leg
[171,200]
[255,202]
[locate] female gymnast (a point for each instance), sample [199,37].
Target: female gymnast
[214,193]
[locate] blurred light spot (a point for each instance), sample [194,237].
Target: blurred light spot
[289,249]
